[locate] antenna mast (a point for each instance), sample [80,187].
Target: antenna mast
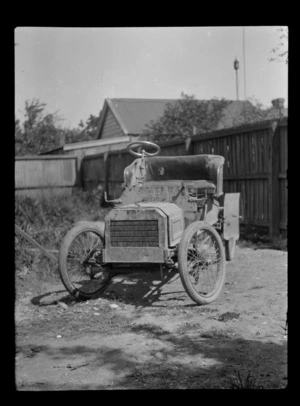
[236,67]
[244,63]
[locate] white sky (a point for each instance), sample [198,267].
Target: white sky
[73,69]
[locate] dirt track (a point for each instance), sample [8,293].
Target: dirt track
[142,334]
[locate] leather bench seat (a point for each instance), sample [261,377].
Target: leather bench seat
[193,167]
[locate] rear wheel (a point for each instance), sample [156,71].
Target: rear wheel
[80,261]
[201,262]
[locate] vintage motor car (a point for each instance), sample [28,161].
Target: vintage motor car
[172,214]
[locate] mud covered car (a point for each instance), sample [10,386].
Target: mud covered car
[172,214]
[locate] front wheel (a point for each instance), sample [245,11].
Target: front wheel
[80,261]
[201,262]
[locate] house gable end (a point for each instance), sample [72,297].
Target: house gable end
[110,128]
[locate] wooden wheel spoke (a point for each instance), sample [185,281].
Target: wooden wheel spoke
[92,242]
[79,247]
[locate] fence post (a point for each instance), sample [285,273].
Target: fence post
[276,206]
[188,145]
[79,180]
[105,167]
[274,198]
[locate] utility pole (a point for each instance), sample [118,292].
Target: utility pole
[101,85]
[236,67]
[244,63]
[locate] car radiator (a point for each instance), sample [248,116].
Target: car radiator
[134,233]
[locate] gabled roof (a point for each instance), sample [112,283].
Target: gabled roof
[133,114]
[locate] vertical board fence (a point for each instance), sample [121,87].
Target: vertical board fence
[246,169]
[37,176]
[255,165]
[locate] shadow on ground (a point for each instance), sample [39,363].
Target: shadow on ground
[141,289]
[185,362]
[52,297]
[145,289]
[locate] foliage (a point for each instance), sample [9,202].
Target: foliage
[253,111]
[245,382]
[280,52]
[90,126]
[188,114]
[84,132]
[18,130]
[47,220]
[42,131]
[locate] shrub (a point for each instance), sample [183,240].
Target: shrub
[47,220]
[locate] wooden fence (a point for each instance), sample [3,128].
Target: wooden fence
[255,166]
[46,175]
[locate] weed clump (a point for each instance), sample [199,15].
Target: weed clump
[47,220]
[245,382]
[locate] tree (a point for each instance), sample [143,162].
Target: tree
[90,127]
[180,118]
[85,131]
[187,114]
[18,130]
[280,52]
[41,130]
[252,111]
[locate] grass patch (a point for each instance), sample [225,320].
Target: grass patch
[216,333]
[158,376]
[187,328]
[150,330]
[258,238]
[247,381]
[274,244]
[47,220]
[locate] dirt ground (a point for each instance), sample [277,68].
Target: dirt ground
[145,333]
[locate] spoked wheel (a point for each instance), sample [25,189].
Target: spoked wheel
[230,249]
[201,262]
[80,261]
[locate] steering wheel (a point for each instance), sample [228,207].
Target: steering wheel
[133,145]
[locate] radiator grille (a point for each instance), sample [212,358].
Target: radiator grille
[134,233]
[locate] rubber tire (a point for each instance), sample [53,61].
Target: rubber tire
[182,262]
[63,252]
[230,249]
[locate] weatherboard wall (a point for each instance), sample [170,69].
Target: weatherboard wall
[45,175]
[111,127]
